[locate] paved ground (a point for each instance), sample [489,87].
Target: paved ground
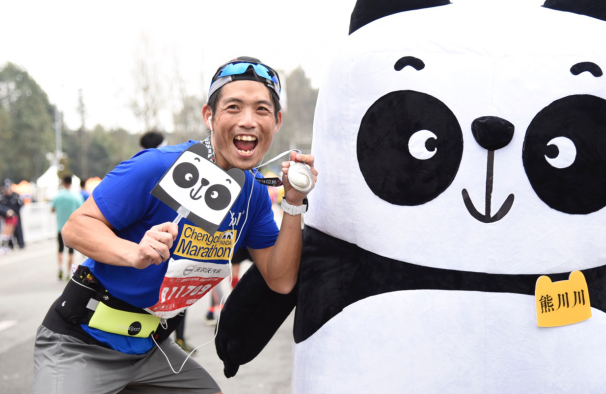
[28,285]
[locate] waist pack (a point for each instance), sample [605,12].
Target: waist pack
[86,301]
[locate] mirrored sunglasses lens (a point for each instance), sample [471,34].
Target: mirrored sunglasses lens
[240,68]
[234,69]
[262,71]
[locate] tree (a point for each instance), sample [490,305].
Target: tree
[188,121]
[82,139]
[149,93]
[187,110]
[64,168]
[5,134]
[298,116]
[106,149]
[26,125]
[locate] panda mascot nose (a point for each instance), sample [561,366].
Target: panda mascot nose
[492,132]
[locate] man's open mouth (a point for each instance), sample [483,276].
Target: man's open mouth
[245,144]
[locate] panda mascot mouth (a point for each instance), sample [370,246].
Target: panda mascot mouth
[196,194]
[491,133]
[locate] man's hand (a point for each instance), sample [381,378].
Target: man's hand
[293,196]
[279,264]
[10,213]
[155,246]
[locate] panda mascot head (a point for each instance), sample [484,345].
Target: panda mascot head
[463,156]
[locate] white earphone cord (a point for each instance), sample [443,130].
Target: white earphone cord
[233,245]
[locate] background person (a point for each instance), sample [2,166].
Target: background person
[13,201]
[64,204]
[152,139]
[85,194]
[10,220]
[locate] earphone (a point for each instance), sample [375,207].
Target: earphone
[223,299]
[210,125]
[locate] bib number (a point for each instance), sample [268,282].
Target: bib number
[186,281]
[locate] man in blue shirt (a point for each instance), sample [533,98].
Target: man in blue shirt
[141,261]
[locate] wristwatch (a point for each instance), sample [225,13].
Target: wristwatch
[294,209]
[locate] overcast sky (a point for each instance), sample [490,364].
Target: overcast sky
[93,46]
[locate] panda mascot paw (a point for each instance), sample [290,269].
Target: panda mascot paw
[251,316]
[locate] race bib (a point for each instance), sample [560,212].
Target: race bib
[186,281]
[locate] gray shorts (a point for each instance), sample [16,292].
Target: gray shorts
[64,364]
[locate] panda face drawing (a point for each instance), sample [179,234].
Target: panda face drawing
[454,155]
[201,187]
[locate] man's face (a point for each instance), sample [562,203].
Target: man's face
[244,124]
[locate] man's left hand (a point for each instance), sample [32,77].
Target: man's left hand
[293,196]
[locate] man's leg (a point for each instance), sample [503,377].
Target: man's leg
[70,262]
[180,334]
[4,247]
[153,373]
[19,234]
[7,235]
[60,254]
[235,271]
[63,364]
[216,296]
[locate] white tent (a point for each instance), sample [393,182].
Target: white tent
[48,184]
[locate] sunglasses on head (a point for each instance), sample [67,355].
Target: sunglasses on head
[239,68]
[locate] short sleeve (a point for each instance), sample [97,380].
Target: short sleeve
[264,231]
[123,196]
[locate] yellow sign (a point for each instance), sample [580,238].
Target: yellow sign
[562,303]
[198,244]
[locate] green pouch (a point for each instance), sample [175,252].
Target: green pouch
[108,319]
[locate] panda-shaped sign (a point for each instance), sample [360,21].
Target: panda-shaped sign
[463,147]
[198,189]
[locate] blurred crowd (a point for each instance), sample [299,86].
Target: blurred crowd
[11,204]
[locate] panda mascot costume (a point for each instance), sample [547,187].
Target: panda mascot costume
[463,156]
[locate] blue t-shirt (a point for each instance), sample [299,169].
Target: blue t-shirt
[124,198]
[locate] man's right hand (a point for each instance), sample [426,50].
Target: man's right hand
[89,232]
[155,246]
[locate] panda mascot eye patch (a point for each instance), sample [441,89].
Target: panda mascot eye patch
[185,175]
[217,197]
[409,147]
[565,154]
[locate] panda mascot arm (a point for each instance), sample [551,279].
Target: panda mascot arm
[251,316]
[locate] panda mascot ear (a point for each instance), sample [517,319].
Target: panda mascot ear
[592,8]
[367,11]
